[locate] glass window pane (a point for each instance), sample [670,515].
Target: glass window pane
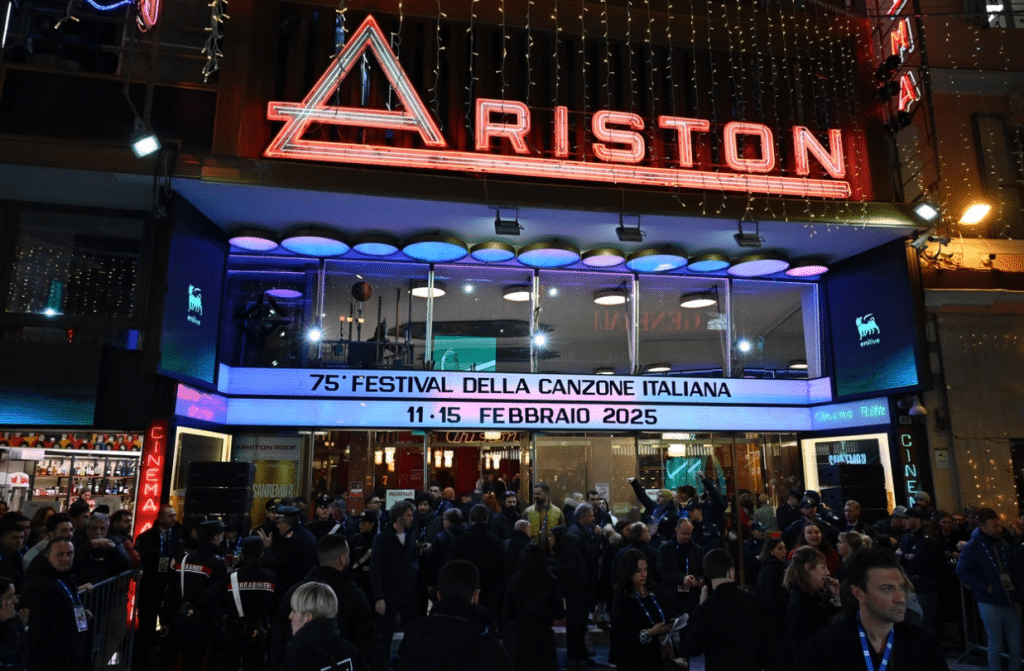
[581,335]
[769,326]
[371,318]
[76,264]
[574,463]
[476,324]
[691,340]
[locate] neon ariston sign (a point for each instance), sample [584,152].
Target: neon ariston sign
[620,146]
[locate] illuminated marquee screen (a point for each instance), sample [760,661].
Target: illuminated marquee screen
[872,317]
[195,274]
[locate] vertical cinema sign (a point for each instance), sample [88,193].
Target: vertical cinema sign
[897,35]
[151,476]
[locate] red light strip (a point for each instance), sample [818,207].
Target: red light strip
[149,12]
[740,164]
[528,166]
[151,476]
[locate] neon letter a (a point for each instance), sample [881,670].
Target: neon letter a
[298,116]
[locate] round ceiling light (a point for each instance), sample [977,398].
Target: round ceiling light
[708,263]
[806,268]
[283,293]
[375,244]
[518,293]
[435,248]
[492,252]
[420,289]
[799,364]
[604,371]
[758,265]
[658,368]
[253,240]
[611,296]
[549,254]
[315,242]
[603,257]
[701,299]
[656,259]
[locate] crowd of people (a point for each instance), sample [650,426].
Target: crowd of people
[480,584]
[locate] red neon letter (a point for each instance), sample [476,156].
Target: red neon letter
[909,93]
[561,132]
[901,39]
[515,132]
[832,160]
[764,164]
[684,128]
[634,141]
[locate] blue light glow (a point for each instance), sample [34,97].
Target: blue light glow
[493,252]
[314,245]
[375,248]
[435,251]
[548,257]
[314,335]
[709,265]
[283,293]
[656,263]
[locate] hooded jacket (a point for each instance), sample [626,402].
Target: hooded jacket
[978,568]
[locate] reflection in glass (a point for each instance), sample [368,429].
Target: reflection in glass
[691,340]
[774,324]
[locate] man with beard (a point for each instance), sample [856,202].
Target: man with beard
[355,615]
[543,517]
[394,573]
[58,625]
[505,521]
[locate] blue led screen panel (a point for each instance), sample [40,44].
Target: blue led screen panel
[195,277]
[51,385]
[875,338]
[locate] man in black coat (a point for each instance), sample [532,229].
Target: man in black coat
[360,546]
[877,584]
[157,547]
[458,633]
[505,521]
[356,620]
[441,549]
[728,627]
[681,569]
[58,630]
[394,574]
[295,553]
[484,550]
[514,546]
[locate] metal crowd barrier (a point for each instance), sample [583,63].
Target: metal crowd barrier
[112,628]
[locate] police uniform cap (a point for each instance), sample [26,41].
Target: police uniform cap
[273,503]
[756,526]
[900,511]
[288,511]
[324,500]
[808,503]
[368,516]
[211,527]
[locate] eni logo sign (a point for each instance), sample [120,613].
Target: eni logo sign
[620,147]
[867,327]
[195,304]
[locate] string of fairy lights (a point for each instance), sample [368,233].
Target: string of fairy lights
[211,49]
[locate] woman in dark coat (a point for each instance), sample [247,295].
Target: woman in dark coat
[316,642]
[638,617]
[813,601]
[533,603]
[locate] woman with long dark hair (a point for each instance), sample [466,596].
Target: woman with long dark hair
[533,604]
[813,534]
[813,601]
[639,617]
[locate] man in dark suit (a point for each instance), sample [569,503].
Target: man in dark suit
[394,574]
[877,628]
[157,547]
[295,554]
[728,626]
[484,550]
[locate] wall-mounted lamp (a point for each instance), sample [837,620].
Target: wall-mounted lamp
[749,239]
[975,213]
[926,211]
[505,226]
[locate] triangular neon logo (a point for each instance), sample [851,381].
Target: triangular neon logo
[314,107]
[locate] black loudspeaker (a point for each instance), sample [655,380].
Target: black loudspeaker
[218,500]
[864,483]
[220,474]
[219,488]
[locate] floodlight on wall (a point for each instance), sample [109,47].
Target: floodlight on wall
[975,213]
[144,142]
[506,226]
[629,233]
[898,122]
[888,68]
[748,239]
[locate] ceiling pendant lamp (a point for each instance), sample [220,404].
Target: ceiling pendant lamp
[492,252]
[806,268]
[375,244]
[435,247]
[603,257]
[656,259]
[253,240]
[760,264]
[317,242]
[549,254]
[711,262]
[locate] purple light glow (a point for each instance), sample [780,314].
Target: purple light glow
[758,267]
[252,243]
[807,271]
[284,293]
[548,257]
[435,251]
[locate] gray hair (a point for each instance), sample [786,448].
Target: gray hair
[316,599]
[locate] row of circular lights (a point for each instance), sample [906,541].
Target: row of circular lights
[441,247]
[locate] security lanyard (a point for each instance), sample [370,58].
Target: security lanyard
[650,619]
[867,648]
[71,595]
[657,518]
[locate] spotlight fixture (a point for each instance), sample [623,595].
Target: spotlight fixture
[629,233]
[888,90]
[518,293]
[144,142]
[492,252]
[420,289]
[506,226]
[749,239]
[926,211]
[898,122]
[253,240]
[975,213]
[700,299]
[616,296]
